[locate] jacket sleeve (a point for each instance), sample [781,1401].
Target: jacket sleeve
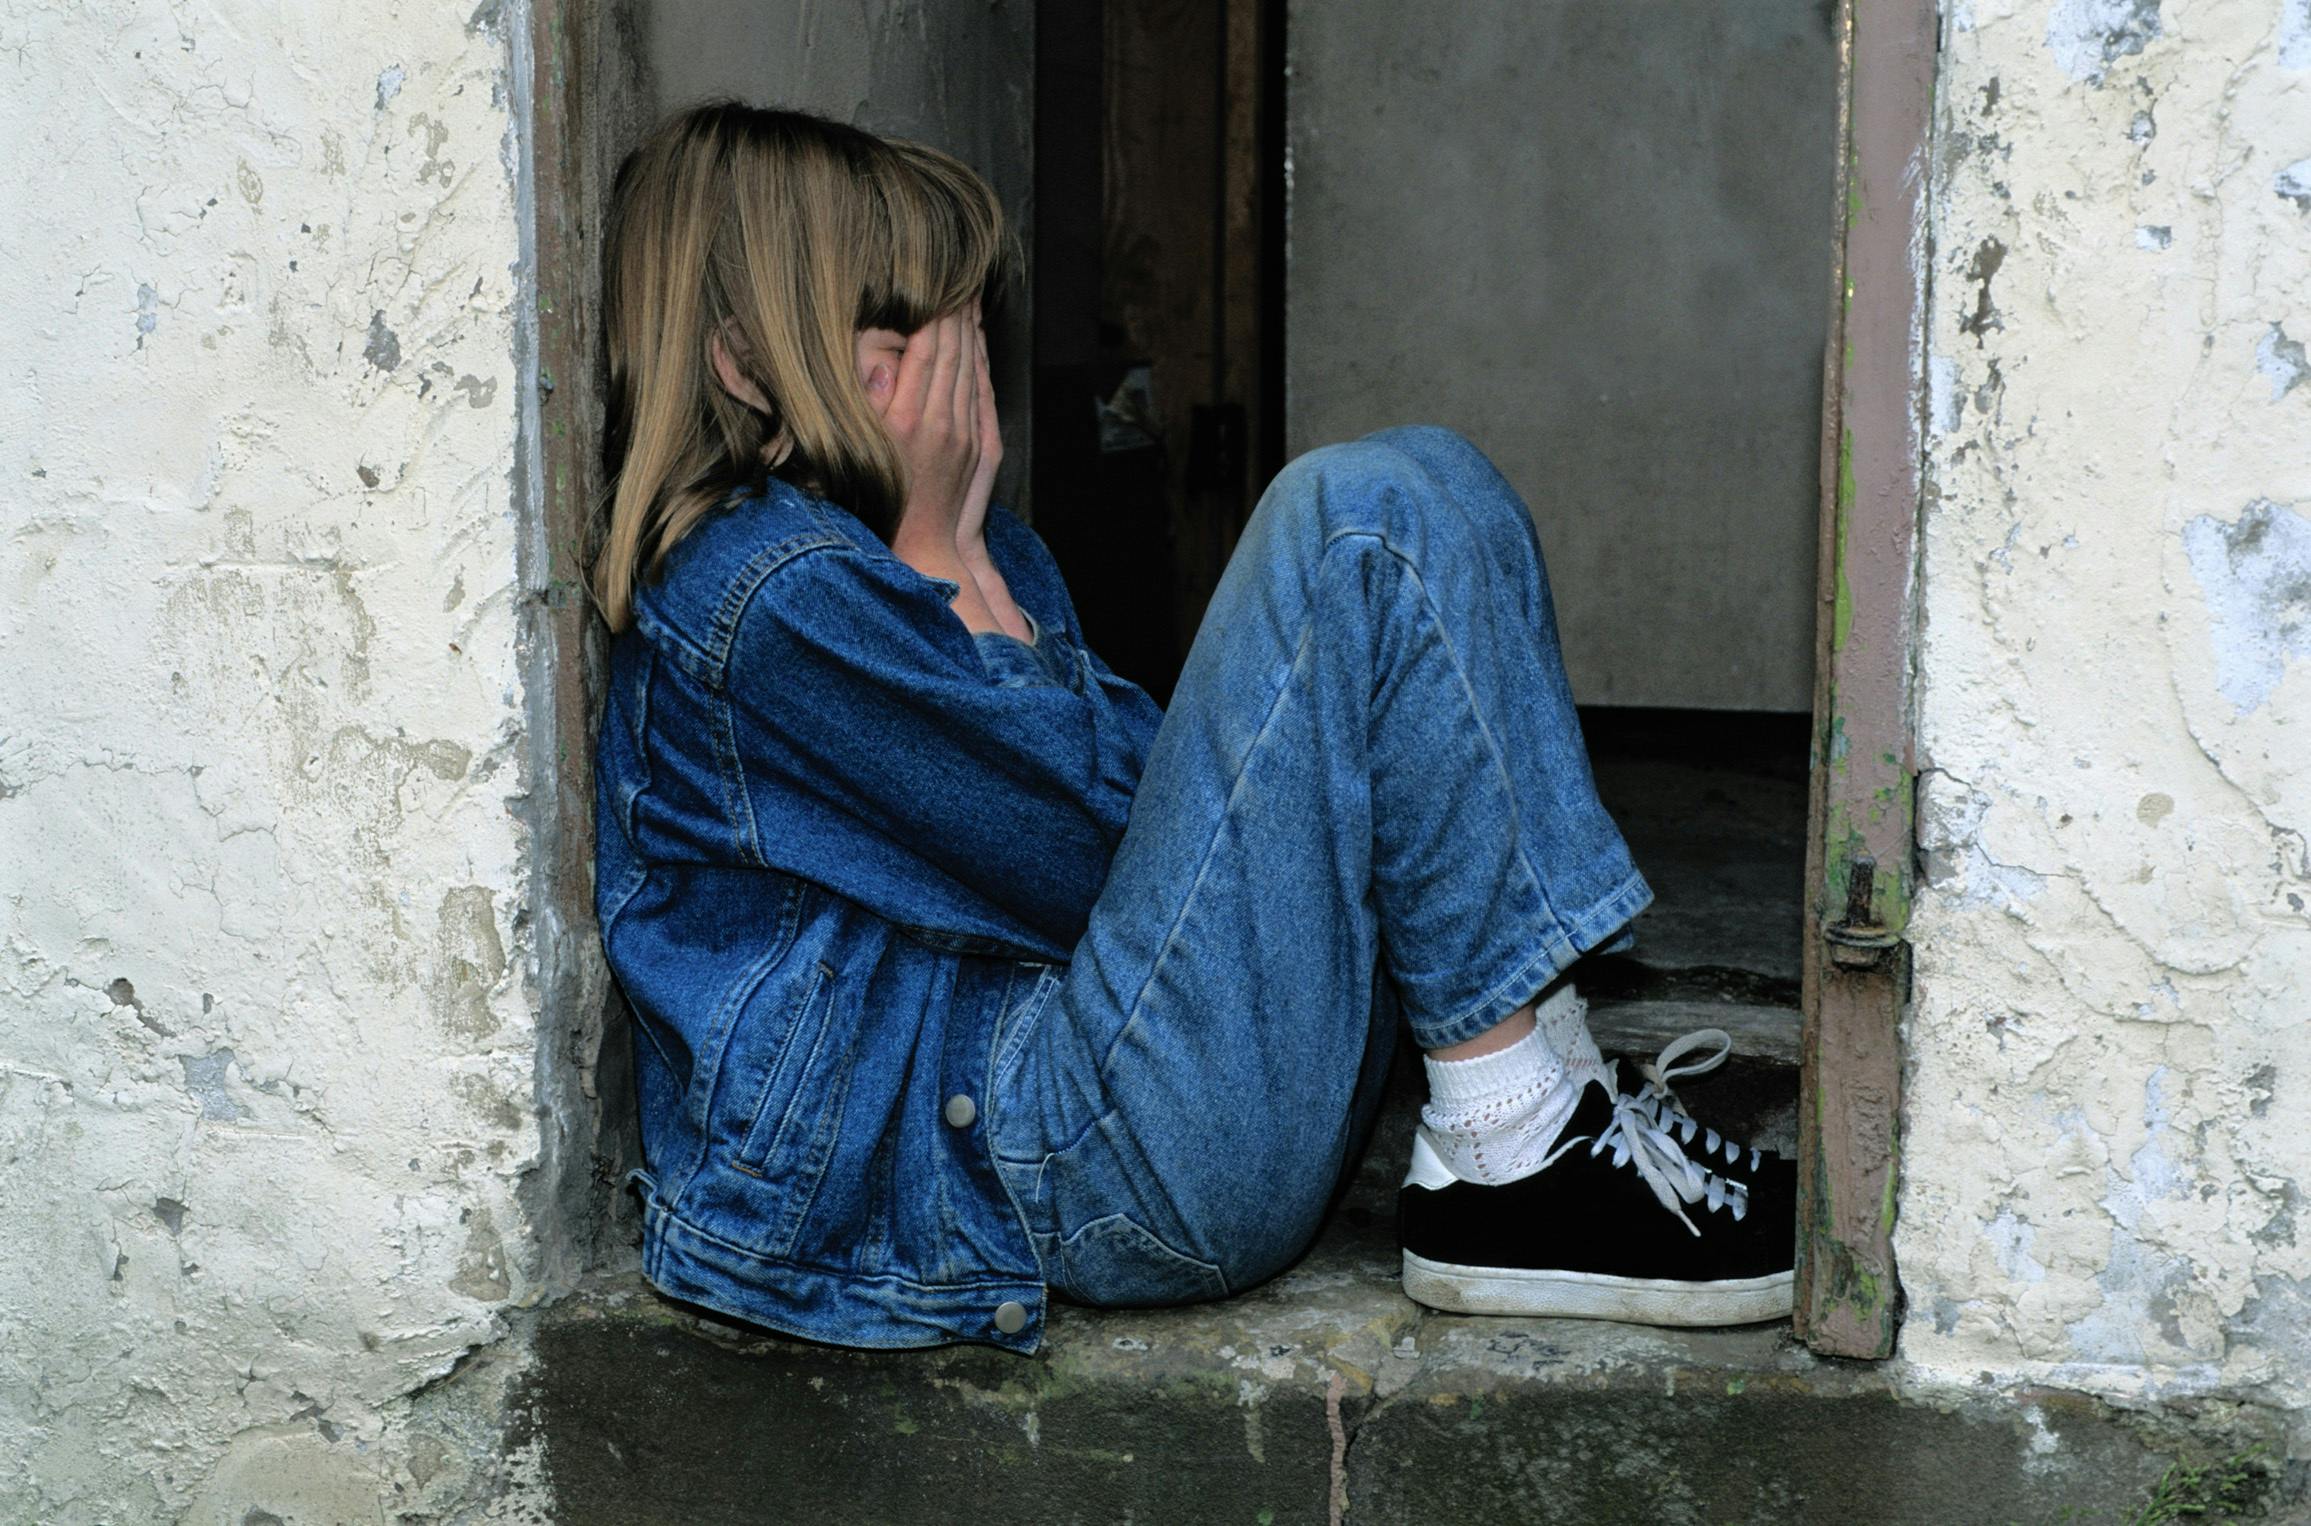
[970,785]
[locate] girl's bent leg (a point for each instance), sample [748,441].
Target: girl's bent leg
[1371,786]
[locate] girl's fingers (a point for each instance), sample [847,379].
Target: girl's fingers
[990,429]
[979,388]
[966,398]
[938,381]
[941,408]
[910,388]
[945,360]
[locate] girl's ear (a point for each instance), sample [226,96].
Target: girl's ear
[735,381]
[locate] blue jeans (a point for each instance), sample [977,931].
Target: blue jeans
[1369,796]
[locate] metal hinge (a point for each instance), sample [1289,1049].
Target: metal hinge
[1858,941]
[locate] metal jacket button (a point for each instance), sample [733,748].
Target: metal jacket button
[961,1110]
[1011,1318]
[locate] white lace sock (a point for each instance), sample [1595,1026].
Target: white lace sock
[1495,1118]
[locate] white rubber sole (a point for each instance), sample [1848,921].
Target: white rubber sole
[1589,1295]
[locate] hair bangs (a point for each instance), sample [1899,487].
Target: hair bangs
[945,242]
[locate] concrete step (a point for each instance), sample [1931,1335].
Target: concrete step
[1636,1007]
[1714,810]
[1324,1395]
[1321,1397]
[1642,1028]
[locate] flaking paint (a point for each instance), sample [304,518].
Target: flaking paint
[2106,1058]
[267,1034]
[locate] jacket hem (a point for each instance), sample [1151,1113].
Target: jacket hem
[684,1261]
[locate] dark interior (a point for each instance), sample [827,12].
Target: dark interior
[1159,132]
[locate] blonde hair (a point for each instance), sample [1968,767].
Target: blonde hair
[784,234]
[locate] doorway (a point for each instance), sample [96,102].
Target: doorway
[1628,251]
[1725,483]
[1588,237]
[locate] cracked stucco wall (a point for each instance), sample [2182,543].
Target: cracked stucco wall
[267,1033]
[2110,1043]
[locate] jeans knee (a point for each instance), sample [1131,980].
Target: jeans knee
[1321,492]
[1354,483]
[1416,485]
[1331,466]
[1395,452]
[1431,443]
[1464,475]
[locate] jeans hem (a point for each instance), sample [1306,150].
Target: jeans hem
[1564,944]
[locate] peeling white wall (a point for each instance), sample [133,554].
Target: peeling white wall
[266,1034]
[2110,1045]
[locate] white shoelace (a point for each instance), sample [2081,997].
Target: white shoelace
[1664,1111]
[1636,1138]
[1650,1128]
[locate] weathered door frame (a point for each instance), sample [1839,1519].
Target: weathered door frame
[585,100]
[1859,865]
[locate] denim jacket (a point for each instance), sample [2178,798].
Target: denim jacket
[844,846]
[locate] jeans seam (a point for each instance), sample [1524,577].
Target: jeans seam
[1480,1015]
[994,1281]
[1612,898]
[1219,1273]
[1005,1048]
[1013,1028]
[641,1025]
[1476,712]
[1473,1019]
[1211,846]
[629,814]
[607,921]
[741,800]
[1493,753]
[701,1110]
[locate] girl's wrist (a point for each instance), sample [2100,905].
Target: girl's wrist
[927,547]
[937,556]
[1008,616]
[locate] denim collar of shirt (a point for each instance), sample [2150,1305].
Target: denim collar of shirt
[1013,663]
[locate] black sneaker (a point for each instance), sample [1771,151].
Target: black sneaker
[1622,1224]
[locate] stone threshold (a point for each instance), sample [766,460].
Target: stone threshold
[1323,1396]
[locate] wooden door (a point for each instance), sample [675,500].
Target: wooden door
[1158,251]
[1859,860]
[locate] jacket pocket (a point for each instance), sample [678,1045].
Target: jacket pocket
[778,1107]
[795,1122]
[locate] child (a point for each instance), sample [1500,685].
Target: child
[961,975]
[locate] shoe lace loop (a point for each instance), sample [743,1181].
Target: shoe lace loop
[1664,1111]
[1638,1136]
